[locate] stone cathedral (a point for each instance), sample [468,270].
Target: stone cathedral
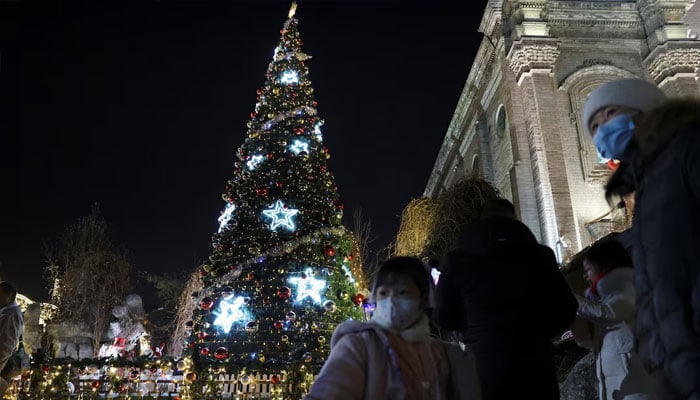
[517,120]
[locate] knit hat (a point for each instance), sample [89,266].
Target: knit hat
[633,93]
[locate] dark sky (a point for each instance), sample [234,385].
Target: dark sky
[140,107]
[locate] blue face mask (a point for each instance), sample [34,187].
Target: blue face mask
[614,136]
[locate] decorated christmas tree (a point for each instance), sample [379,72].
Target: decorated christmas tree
[282,272]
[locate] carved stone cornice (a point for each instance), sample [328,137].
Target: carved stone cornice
[532,55]
[491,21]
[672,58]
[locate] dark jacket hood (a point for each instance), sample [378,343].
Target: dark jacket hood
[486,236]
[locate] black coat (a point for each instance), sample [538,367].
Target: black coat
[504,293]
[666,226]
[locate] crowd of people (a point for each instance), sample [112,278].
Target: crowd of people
[503,296]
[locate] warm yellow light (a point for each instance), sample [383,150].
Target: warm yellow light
[292,9]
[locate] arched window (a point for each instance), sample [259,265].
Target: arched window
[579,86]
[501,121]
[476,167]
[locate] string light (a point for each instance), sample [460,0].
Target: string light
[299,146]
[281,216]
[308,287]
[230,312]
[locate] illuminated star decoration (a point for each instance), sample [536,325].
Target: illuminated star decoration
[226,216]
[308,287]
[254,162]
[281,216]
[230,312]
[317,132]
[289,77]
[298,146]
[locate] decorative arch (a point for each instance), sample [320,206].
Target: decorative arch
[476,167]
[579,86]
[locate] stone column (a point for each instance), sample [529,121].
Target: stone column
[532,61]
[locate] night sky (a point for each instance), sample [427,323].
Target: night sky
[140,107]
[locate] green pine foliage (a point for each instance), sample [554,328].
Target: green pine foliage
[281,274]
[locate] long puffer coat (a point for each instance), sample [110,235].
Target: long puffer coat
[618,367]
[665,174]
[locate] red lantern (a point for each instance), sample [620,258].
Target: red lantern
[358,299]
[221,353]
[278,325]
[204,351]
[207,303]
[284,293]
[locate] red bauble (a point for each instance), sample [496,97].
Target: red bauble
[153,370]
[96,384]
[253,114]
[298,130]
[190,345]
[275,379]
[45,369]
[278,184]
[259,92]
[358,299]
[315,103]
[202,335]
[249,276]
[329,250]
[278,325]
[613,164]
[207,303]
[202,273]
[350,257]
[204,351]
[221,353]
[284,293]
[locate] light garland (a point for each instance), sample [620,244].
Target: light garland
[281,216]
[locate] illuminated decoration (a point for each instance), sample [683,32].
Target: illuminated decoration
[292,10]
[348,274]
[435,274]
[230,312]
[317,131]
[289,77]
[281,216]
[225,216]
[308,287]
[298,146]
[254,162]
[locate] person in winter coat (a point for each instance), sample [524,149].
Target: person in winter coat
[658,142]
[504,294]
[609,305]
[11,322]
[393,356]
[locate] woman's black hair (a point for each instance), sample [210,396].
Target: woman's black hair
[411,267]
[608,254]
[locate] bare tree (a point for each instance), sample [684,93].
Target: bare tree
[185,308]
[362,231]
[88,275]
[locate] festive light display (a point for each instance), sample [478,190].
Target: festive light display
[299,146]
[226,216]
[289,77]
[308,287]
[281,275]
[254,162]
[229,312]
[281,216]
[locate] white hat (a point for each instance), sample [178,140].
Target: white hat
[633,93]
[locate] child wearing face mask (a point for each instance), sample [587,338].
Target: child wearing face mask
[393,355]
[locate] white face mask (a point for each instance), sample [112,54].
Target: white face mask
[396,314]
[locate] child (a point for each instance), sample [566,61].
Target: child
[393,356]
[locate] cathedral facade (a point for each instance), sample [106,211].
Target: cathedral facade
[517,122]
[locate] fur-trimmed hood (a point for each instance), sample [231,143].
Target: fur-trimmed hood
[657,127]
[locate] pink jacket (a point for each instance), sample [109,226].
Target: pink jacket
[364,365]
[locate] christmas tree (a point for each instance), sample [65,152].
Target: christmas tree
[281,275]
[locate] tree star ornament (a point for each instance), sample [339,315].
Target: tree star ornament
[298,146]
[254,162]
[226,216]
[281,216]
[289,77]
[230,312]
[308,287]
